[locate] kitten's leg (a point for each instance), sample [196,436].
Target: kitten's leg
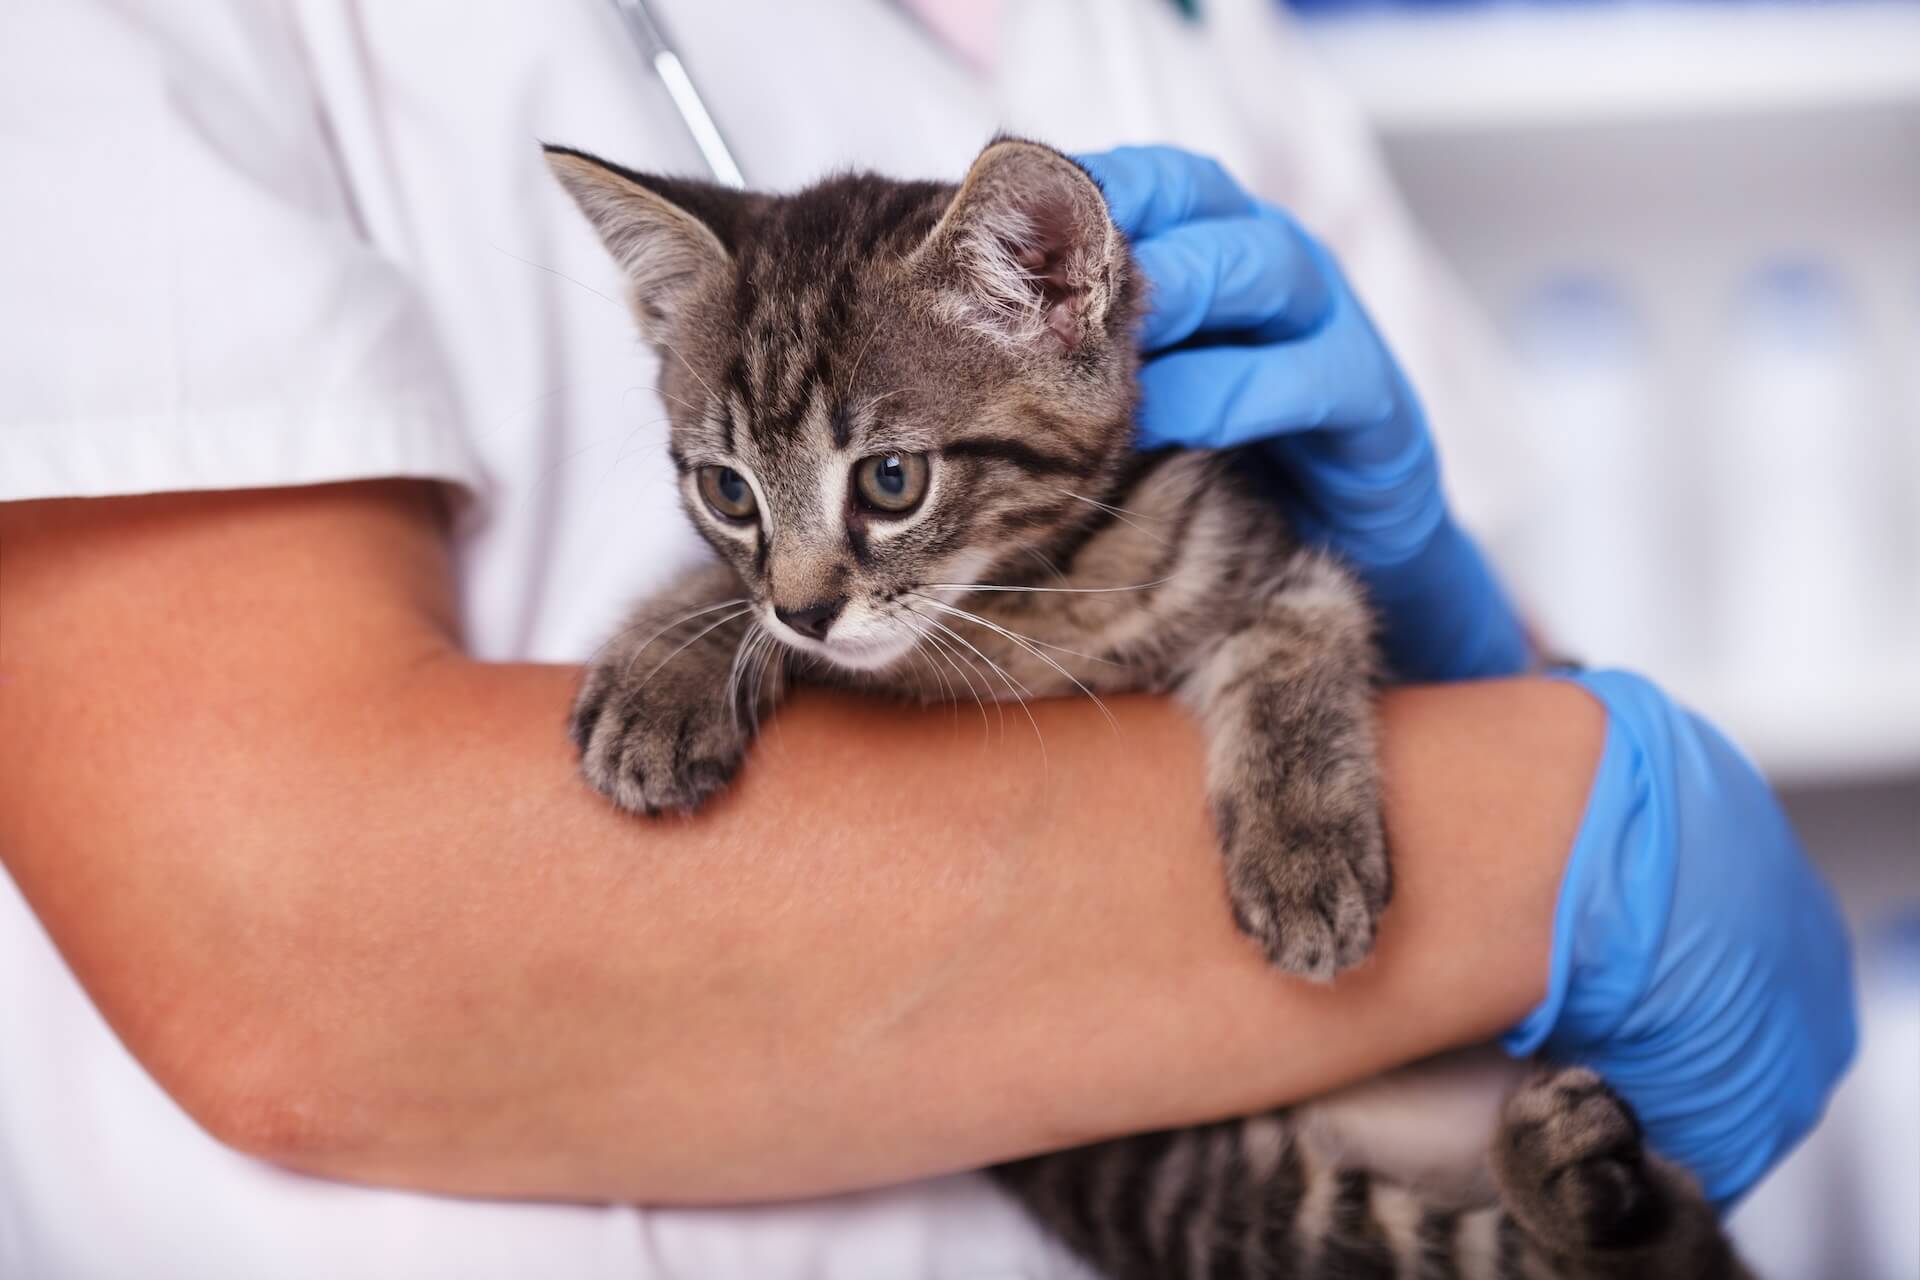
[670,703]
[1587,1201]
[1248,1199]
[1263,1199]
[1287,703]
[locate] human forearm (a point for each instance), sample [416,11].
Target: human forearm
[385,934]
[905,946]
[469,976]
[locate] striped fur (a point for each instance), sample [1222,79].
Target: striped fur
[1256,1199]
[983,333]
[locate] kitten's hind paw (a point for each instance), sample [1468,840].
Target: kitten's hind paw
[1574,1167]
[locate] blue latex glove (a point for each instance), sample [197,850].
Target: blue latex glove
[1699,963]
[1253,335]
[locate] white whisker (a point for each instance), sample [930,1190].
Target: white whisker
[1013,686]
[1108,506]
[945,652]
[668,395]
[862,358]
[883,397]
[540,266]
[688,366]
[765,654]
[685,617]
[1020,635]
[923,661]
[1045,563]
[921,655]
[1032,648]
[1131,518]
[695,638]
[1080,591]
[731,690]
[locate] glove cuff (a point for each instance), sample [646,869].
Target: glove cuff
[1618,887]
[1699,963]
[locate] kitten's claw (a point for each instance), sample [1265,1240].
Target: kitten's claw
[661,748]
[1315,934]
[1311,898]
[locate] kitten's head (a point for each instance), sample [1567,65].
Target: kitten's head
[881,391]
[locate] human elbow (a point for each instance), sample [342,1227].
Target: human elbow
[255,1084]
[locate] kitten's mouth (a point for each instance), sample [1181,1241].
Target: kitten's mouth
[855,653]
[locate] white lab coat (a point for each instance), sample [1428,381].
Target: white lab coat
[247,244]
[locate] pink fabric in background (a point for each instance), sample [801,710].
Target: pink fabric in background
[971,28]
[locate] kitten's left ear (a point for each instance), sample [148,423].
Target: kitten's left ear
[1027,253]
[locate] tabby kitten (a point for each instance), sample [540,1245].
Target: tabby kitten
[901,413]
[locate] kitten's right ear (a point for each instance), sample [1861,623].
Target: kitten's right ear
[1027,253]
[664,232]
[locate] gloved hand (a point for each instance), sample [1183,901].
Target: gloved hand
[1253,335]
[1699,963]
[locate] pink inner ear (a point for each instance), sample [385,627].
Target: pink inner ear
[1063,322]
[1031,240]
[1063,309]
[1063,298]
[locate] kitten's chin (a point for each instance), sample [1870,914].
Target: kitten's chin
[862,655]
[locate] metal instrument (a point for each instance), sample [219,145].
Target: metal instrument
[659,55]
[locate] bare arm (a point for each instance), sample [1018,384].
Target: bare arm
[338,889]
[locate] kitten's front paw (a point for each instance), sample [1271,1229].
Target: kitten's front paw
[1309,893]
[656,746]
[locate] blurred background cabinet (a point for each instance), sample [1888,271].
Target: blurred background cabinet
[1698,226]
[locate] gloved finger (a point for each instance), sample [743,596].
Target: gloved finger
[1150,189]
[1226,396]
[1256,275]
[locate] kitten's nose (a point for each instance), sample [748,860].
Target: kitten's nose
[814,619]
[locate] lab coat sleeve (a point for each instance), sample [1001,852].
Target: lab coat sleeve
[188,300]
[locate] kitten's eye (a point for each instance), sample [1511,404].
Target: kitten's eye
[892,483]
[727,492]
